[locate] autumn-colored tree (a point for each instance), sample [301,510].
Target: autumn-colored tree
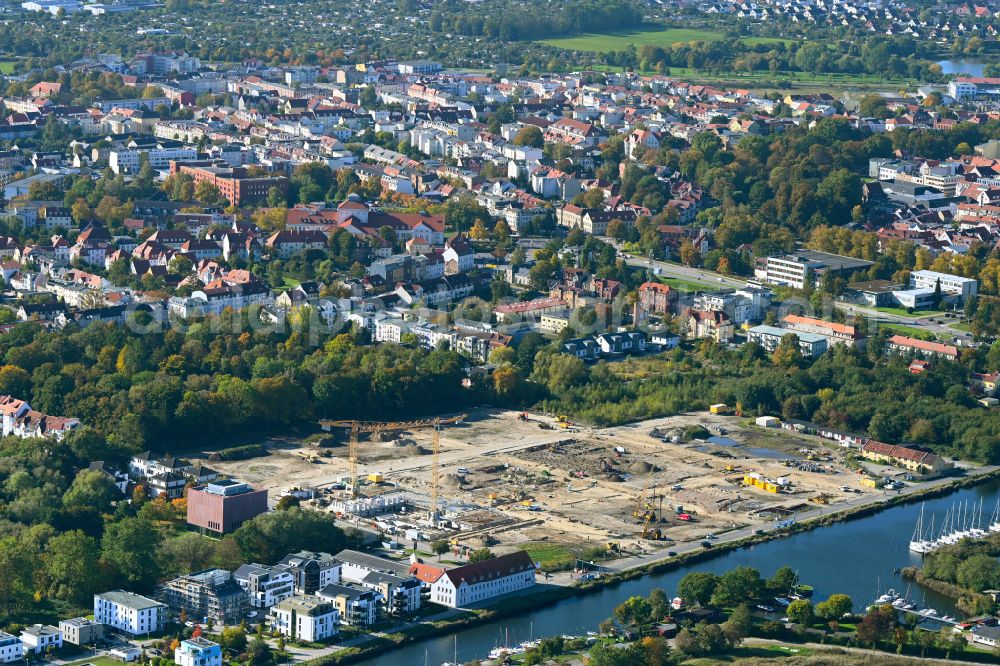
[81,211]
[529,136]
[501,231]
[689,254]
[479,231]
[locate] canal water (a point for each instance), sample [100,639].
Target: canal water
[855,557]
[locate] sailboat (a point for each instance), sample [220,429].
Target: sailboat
[506,649]
[918,544]
[976,531]
[455,661]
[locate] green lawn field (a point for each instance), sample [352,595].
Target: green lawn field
[616,41]
[620,40]
[97,661]
[916,314]
[910,331]
[6,66]
[688,285]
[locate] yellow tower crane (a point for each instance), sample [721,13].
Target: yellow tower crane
[376,428]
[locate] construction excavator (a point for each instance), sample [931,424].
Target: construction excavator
[651,533]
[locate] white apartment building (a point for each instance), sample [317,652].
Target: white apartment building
[312,571]
[266,585]
[950,284]
[213,301]
[132,613]
[792,269]
[390,330]
[964,88]
[306,619]
[40,637]
[11,648]
[129,160]
[738,308]
[481,581]
[198,652]
[788,271]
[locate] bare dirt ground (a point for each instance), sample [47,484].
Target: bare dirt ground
[579,485]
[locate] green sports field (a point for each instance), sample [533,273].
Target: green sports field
[6,66]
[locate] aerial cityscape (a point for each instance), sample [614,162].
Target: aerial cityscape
[596,333]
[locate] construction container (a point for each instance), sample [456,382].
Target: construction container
[375,477]
[767,421]
[869,482]
[719,408]
[757,481]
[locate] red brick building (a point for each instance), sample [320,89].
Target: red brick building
[233,182]
[223,505]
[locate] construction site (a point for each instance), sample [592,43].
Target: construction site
[504,479]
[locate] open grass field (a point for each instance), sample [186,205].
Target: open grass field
[616,41]
[551,556]
[910,331]
[619,40]
[6,66]
[97,661]
[916,314]
[688,285]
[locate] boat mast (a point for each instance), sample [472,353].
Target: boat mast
[918,529]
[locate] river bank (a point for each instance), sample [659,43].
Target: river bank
[965,600]
[549,599]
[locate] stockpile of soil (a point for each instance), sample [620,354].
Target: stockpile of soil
[411,450]
[641,467]
[453,480]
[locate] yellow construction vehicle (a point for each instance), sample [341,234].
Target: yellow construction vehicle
[655,534]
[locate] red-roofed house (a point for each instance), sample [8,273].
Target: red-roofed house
[45,89]
[900,344]
[427,574]
[911,459]
[20,420]
[986,382]
[481,581]
[838,333]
